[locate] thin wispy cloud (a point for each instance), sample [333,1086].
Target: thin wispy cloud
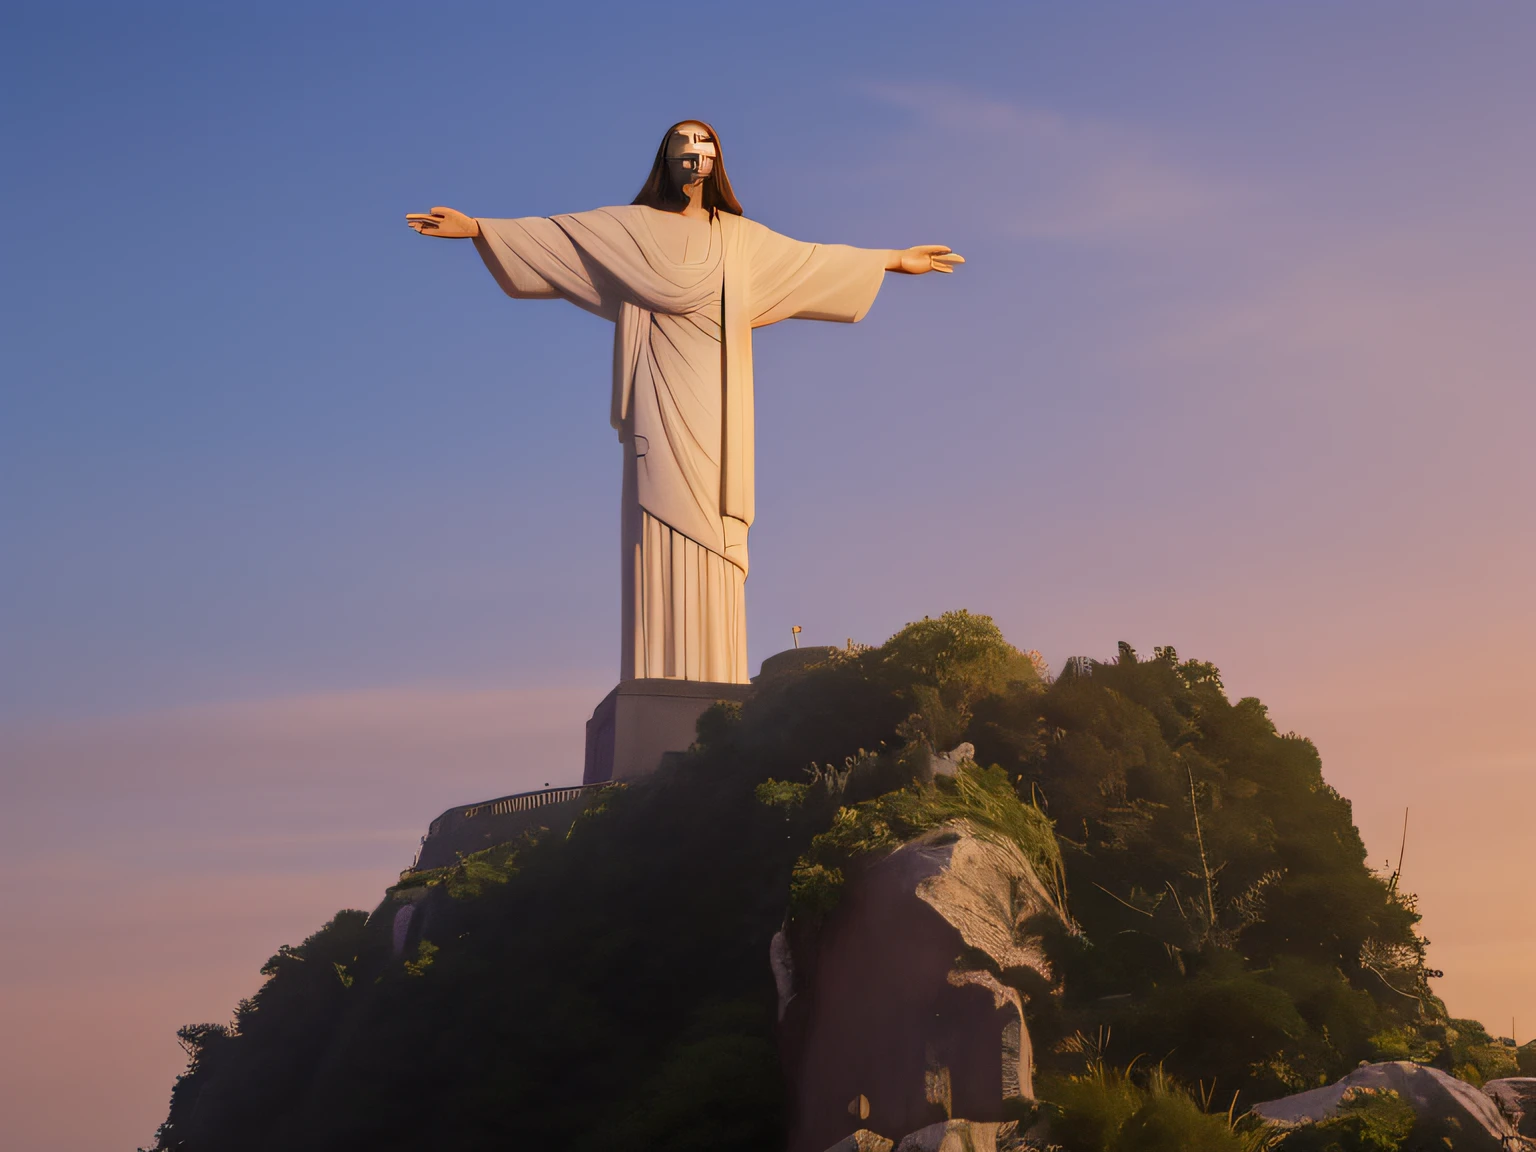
[1044,174]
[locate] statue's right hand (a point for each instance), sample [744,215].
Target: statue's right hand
[444,222]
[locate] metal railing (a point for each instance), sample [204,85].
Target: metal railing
[527,801]
[503,806]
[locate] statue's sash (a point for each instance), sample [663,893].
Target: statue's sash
[682,288]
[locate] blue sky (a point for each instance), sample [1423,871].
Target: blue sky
[307,533]
[257,438]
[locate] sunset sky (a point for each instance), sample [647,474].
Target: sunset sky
[308,533]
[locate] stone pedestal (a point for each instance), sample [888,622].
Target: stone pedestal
[642,720]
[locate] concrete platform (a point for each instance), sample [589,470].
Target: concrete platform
[635,726]
[640,721]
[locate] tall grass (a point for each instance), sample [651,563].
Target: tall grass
[986,798]
[1105,1110]
[982,797]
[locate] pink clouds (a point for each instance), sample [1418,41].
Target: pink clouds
[153,863]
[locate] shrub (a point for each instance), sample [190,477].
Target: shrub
[1525,1058]
[1475,1056]
[1106,1111]
[983,798]
[1368,1120]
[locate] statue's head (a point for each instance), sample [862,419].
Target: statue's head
[689,154]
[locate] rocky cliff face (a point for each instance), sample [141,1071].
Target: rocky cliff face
[904,1009]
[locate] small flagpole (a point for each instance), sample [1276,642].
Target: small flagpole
[794,632]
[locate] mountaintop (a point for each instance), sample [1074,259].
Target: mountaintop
[1188,926]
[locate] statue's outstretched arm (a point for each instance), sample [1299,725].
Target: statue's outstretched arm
[916,261]
[450,224]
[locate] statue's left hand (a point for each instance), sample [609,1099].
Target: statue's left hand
[924,258]
[448,223]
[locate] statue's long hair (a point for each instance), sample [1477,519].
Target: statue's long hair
[660,191]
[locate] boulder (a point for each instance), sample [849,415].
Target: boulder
[948,763]
[1515,1096]
[1442,1103]
[862,1141]
[952,1136]
[896,1000]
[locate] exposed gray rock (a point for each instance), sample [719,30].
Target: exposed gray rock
[952,1136]
[1440,1099]
[782,961]
[883,1011]
[948,763]
[862,1141]
[405,908]
[400,929]
[945,764]
[1515,1096]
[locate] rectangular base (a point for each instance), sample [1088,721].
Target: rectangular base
[642,720]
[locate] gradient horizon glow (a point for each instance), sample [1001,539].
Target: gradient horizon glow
[1243,360]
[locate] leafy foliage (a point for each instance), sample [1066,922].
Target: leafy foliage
[609,988]
[1475,1056]
[984,799]
[1231,926]
[1368,1120]
[470,876]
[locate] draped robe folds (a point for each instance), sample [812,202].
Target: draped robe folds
[682,400]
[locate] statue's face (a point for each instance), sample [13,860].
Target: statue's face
[690,154]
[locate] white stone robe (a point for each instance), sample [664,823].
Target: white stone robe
[682,399]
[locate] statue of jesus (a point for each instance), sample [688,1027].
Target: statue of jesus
[684,277]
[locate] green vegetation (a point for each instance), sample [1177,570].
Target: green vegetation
[1368,1121]
[1475,1056]
[1231,927]
[1103,1111]
[984,799]
[608,989]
